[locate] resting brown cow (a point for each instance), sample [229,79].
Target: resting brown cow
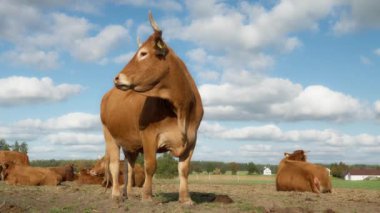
[26,175]
[138,172]
[66,172]
[13,156]
[295,174]
[85,178]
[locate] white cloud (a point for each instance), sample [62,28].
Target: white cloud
[71,121]
[159,4]
[16,90]
[41,37]
[71,138]
[357,15]
[95,48]
[377,52]
[37,58]
[228,28]
[273,133]
[263,98]
[365,60]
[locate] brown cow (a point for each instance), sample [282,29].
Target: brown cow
[154,107]
[66,172]
[15,174]
[138,177]
[13,156]
[84,177]
[295,174]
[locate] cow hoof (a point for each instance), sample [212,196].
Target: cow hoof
[118,199]
[187,202]
[147,199]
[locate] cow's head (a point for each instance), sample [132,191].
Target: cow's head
[98,168]
[4,169]
[148,66]
[298,155]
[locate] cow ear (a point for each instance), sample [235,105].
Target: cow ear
[286,155]
[160,47]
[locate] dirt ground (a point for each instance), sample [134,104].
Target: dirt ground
[71,197]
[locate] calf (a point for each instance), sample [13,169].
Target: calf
[26,175]
[295,174]
[66,172]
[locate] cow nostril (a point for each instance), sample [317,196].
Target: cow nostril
[116,78]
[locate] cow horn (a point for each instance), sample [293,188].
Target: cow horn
[153,22]
[138,41]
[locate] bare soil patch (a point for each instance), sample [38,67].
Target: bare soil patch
[71,197]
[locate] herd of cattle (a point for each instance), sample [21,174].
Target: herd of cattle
[294,173]
[15,169]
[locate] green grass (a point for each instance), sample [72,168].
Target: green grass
[365,184]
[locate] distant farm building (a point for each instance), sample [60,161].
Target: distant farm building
[362,174]
[267,171]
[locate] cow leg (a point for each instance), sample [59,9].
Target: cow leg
[131,172]
[150,165]
[183,172]
[113,150]
[315,185]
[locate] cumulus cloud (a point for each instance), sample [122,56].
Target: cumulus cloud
[73,135]
[357,15]
[40,37]
[37,58]
[71,121]
[264,98]
[19,90]
[159,4]
[273,133]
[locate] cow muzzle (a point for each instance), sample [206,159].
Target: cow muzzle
[121,82]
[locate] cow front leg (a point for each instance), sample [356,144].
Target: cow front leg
[150,165]
[113,151]
[183,173]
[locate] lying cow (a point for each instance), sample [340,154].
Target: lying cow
[15,174]
[66,172]
[138,177]
[295,174]
[84,177]
[13,156]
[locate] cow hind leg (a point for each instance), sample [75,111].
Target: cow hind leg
[183,172]
[129,176]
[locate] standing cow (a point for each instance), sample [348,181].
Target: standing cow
[154,107]
[295,174]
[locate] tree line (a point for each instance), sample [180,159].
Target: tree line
[17,146]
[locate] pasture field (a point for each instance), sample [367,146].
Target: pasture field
[210,193]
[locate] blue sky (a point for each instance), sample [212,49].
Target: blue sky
[274,76]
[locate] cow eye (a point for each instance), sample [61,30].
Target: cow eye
[143,53]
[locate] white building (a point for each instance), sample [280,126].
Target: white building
[361,174]
[267,171]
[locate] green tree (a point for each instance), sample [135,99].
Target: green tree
[4,145]
[24,148]
[251,167]
[167,166]
[16,147]
[234,167]
[338,170]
